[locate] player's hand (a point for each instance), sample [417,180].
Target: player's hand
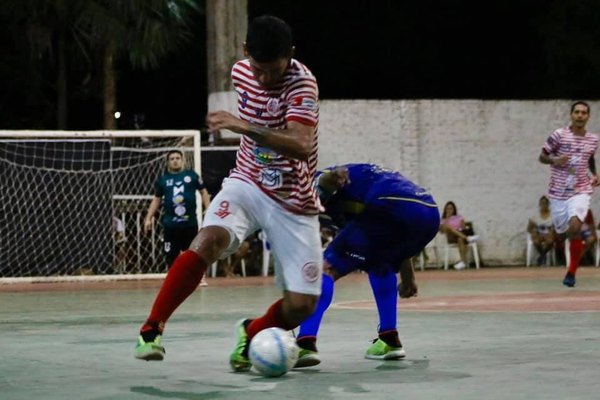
[334,179]
[560,160]
[408,289]
[596,180]
[224,120]
[148,225]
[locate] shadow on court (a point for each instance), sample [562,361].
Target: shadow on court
[493,333]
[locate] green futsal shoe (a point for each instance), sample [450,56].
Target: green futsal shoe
[307,358]
[149,351]
[239,360]
[380,350]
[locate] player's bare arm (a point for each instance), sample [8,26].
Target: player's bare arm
[553,160]
[592,166]
[408,286]
[295,141]
[152,209]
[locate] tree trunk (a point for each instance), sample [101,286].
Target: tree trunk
[110,88]
[226,25]
[61,84]
[61,78]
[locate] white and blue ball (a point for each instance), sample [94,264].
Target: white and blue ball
[273,352]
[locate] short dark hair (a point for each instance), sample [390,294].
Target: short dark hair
[583,103]
[174,152]
[268,39]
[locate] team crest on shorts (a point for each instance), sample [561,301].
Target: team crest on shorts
[310,271]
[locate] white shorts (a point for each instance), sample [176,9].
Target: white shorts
[563,210]
[242,208]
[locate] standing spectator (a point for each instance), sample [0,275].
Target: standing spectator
[270,188]
[453,226]
[570,153]
[176,188]
[541,229]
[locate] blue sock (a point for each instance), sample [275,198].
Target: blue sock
[385,291]
[310,327]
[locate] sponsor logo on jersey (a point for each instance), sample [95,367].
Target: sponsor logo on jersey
[244,99]
[304,102]
[187,179]
[264,155]
[180,211]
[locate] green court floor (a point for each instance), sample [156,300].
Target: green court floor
[500,333]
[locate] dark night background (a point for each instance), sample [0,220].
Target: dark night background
[452,49]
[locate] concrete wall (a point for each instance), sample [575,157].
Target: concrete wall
[480,154]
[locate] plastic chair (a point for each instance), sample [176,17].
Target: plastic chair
[213,267]
[530,251]
[266,253]
[472,247]
[431,246]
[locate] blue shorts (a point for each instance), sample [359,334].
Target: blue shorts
[379,241]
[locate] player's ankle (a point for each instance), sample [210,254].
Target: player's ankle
[307,343]
[390,337]
[150,330]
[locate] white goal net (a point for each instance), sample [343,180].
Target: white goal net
[73,203]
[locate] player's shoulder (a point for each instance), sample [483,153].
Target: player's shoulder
[592,136]
[562,131]
[241,71]
[243,65]
[298,72]
[191,173]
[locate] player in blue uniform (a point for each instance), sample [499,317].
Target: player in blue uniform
[386,219]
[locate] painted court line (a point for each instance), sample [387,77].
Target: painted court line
[580,301]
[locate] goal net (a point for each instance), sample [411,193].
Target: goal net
[73,203]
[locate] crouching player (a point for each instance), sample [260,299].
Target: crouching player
[385,220]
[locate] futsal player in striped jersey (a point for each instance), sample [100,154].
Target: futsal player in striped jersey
[271,188]
[385,220]
[570,152]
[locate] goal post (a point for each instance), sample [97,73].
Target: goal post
[72,203]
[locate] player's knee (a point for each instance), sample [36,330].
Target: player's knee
[211,242]
[301,307]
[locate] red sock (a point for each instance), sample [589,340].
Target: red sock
[182,279]
[273,318]
[576,247]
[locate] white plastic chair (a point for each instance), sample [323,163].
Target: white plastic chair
[266,253]
[213,267]
[531,249]
[472,247]
[432,247]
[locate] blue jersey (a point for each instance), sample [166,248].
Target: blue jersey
[385,219]
[376,190]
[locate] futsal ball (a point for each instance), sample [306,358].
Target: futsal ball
[273,352]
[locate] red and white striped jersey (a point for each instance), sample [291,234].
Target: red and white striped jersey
[571,178]
[296,98]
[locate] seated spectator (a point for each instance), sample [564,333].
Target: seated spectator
[232,262]
[541,229]
[589,237]
[454,227]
